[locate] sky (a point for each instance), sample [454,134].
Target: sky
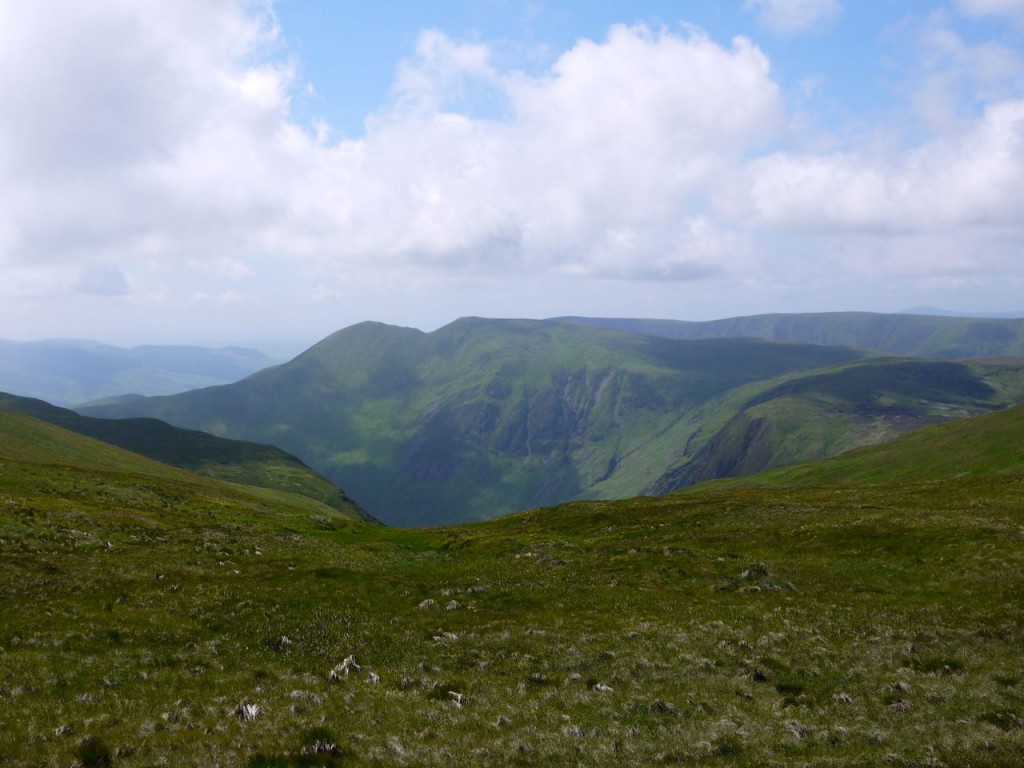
[244,171]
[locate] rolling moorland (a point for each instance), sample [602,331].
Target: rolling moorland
[153,617]
[67,372]
[486,417]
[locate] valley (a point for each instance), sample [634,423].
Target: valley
[486,417]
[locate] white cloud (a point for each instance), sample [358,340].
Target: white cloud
[1010,8]
[233,270]
[26,281]
[149,147]
[228,298]
[949,81]
[625,135]
[795,17]
[974,179]
[935,200]
[131,123]
[101,280]
[151,134]
[440,72]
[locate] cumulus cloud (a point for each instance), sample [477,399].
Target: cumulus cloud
[930,198]
[972,179]
[795,17]
[625,135]
[149,147]
[158,136]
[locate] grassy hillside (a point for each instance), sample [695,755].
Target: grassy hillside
[142,620]
[484,417]
[66,372]
[978,447]
[822,414]
[909,335]
[231,460]
[29,447]
[27,439]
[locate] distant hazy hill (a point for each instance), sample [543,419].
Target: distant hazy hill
[485,417]
[231,460]
[67,372]
[944,337]
[940,312]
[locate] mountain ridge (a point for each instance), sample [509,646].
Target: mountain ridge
[484,417]
[945,337]
[980,446]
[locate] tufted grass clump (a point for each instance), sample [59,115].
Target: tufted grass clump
[94,753]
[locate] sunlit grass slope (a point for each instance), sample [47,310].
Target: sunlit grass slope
[819,414]
[30,448]
[977,447]
[150,622]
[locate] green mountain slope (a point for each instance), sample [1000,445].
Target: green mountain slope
[822,414]
[941,337]
[26,439]
[66,371]
[231,460]
[484,417]
[30,448]
[151,617]
[977,447]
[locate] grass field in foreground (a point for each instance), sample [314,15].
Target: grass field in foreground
[142,618]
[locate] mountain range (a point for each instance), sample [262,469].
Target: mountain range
[485,417]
